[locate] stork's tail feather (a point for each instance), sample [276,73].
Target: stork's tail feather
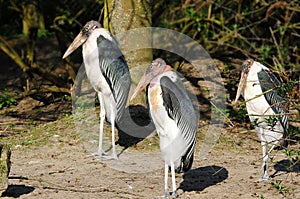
[187,163]
[178,169]
[283,144]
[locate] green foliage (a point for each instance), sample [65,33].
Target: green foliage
[45,33]
[11,125]
[287,87]
[293,156]
[31,122]
[7,100]
[239,114]
[271,120]
[282,189]
[68,114]
[264,30]
[265,52]
[68,98]
[255,122]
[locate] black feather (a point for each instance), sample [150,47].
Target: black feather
[115,70]
[270,85]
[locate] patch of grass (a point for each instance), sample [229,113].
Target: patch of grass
[31,122]
[282,189]
[43,134]
[11,125]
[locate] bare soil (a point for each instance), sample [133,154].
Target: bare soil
[50,160]
[59,167]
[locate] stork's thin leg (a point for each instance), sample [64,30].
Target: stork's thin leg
[112,119]
[114,153]
[100,151]
[264,167]
[166,181]
[266,158]
[102,117]
[174,191]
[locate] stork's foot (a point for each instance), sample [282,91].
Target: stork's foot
[174,194]
[262,179]
[99,154]
[110,157]
[167,195]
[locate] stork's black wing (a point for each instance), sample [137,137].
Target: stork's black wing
[269,85]
[180,108]
[115,69]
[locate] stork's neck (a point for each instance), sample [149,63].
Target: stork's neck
[157,78]
[154,81]
[252,77]
[252,87]
[168,68]
[257,67]
[91,63]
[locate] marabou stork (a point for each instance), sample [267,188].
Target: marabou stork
[174,117]
[266,108]
[108,73]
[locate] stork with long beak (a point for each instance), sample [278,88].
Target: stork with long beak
[108,73]
[174,117]
[266,108]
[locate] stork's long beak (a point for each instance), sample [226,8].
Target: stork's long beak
[245,71]
[241,86]
[145,80]
[78,41]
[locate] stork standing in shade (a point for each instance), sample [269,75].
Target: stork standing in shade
[174,117]
[107,72]
[266,108]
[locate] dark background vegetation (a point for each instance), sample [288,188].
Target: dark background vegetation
[267,31]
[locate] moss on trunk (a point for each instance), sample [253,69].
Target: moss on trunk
[4,166]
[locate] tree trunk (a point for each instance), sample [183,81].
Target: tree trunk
[32,21]
[4,166]
[121,16]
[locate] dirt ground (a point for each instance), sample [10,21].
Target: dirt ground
[58,166]
[51,160]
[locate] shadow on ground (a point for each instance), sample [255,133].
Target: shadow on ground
[16,191]
[135,127]
[287,166]
[200,178]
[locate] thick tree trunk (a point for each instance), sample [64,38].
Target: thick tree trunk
[121,16]
[4,166]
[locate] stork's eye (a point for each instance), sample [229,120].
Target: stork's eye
[85,30]
[152,65]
